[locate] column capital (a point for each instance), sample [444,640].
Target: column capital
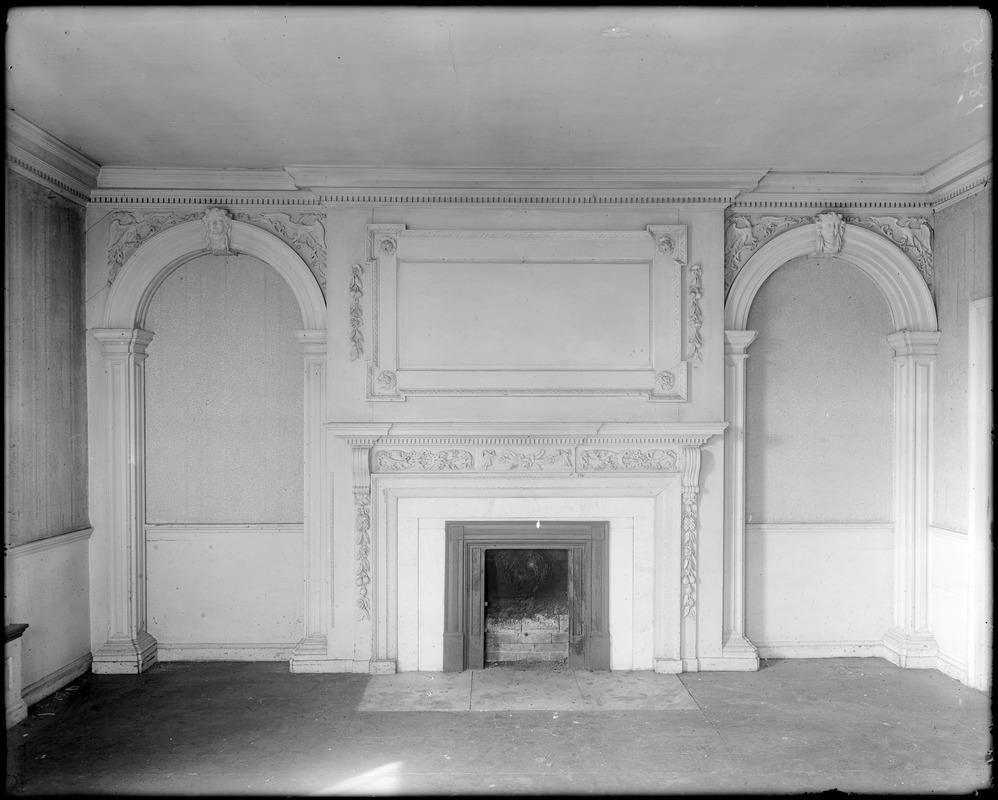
[736,343]
[923,344]
[123,341]
[313,341]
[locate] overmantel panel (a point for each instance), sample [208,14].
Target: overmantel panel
[527,313]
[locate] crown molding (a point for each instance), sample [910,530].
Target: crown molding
[494,186]
[38,155]
[806,193]
[961,176]
[195,178]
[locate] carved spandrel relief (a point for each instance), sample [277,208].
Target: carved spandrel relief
[912,234]
[129,229]
[303,231]
[745,234]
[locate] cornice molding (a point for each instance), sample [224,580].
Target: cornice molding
[197,179]
[380,180]
[961,176]
[38,155]
[809,193]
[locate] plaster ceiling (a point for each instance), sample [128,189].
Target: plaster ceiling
[884,91]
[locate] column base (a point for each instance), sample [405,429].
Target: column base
[123,656]
[309,655]
[739,654]
[910,650]
[386,667]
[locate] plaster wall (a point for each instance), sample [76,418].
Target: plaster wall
[46,525]
[50,591]
[223,396]
[45,448]
[224,463]
[963,266]
[819,463]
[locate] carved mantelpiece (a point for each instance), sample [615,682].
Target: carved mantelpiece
[437,460]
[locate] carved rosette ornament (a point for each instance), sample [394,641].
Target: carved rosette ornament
[387,381]
[356,313]
[829,231]
[696,314]
[386,246]
[665,381]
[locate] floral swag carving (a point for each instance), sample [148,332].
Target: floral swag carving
[303,231]
[356,312]
[513,460]
[362,500]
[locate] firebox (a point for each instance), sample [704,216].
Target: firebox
[530,592]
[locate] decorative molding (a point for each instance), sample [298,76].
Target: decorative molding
[302,231]
[829,229]
[217,224]
[356,312]
[744,235]
[695,353]
[515,460]
[54,681]
[49,543]
[127,230]
[362,501]
[398,460]
[912,234]
[182,179]
[628,460]
[398,369]
[691,491]
[39,156]
[961,176]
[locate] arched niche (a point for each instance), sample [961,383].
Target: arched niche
[130,294]
[915,340]
[130,648]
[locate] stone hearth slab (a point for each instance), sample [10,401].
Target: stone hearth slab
[418,691]
[506,689]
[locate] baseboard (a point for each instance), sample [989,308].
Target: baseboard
[53,682]
[225,651]
[861,649]
[953,668]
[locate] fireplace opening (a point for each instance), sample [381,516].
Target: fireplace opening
[526,608]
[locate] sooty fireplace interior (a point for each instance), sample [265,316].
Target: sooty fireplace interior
[526,606]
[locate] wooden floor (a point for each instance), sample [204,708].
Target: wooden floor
[856,725]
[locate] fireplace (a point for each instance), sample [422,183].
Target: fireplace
[549,587]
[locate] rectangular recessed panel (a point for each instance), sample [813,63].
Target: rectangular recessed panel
[537,315]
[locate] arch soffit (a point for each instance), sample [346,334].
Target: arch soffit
[136,283]
[907,295]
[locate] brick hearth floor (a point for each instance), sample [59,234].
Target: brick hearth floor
[857,725]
